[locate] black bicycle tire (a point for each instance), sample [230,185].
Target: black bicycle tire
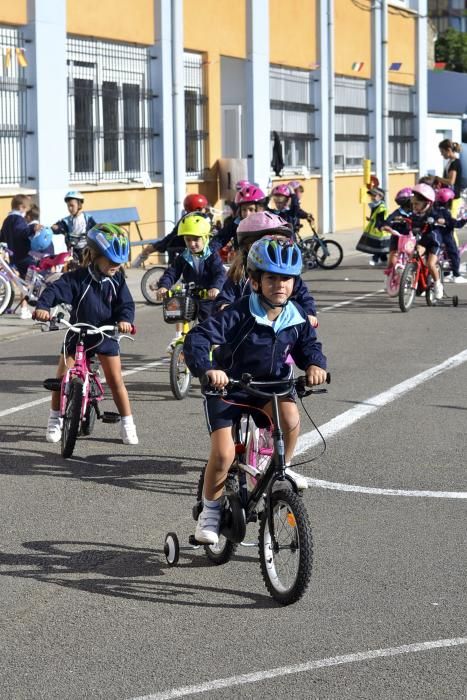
[405,305]
[322,261]
[305,548]
[71,419]
[307,248]
[429,294]
[9,296]
[173,374]
[228,550]
[148,294]
[87,425]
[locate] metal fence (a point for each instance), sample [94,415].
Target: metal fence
[13,107]
[109,111]
[195,114]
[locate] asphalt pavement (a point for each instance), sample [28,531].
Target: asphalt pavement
[90,608]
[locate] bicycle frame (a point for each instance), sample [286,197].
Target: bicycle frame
[81,369]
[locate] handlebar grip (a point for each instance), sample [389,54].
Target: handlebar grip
[328,377]
[133,329]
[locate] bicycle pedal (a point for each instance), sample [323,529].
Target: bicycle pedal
[110,417]
[52,384]
[193,541]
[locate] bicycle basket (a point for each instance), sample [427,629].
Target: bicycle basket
[406,244]
[179,309]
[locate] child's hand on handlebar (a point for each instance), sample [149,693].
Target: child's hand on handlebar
[217,378]
[212,293]
[161,292]
[41,315]
[313,321]
[124,327]
[315,375]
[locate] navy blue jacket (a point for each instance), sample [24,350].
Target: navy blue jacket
[94,299]
[248,346]
[16,233]
[232,291]
[210,274]
[226,234]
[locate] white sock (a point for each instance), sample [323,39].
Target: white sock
[215,505]
[127,420]
[54,414]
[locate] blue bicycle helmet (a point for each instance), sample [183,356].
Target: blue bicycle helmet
[270,254]
[74,194]
[110,241]
[42,239]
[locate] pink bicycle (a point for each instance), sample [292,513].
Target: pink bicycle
[80,387]
[405,247]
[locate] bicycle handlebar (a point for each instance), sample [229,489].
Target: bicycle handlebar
[250,385]
[55,322]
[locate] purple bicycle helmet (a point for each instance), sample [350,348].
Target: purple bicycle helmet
[444,195]
[404,195]
[260,224]
[282,190]
[249,194]
[294,185]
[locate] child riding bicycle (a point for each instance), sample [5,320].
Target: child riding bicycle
[255,335]
[98,295]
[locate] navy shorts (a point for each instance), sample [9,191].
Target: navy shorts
[223,414]
[109,346]
[431,243]
[393,243]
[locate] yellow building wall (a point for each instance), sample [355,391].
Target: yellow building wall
[292,33]
[14,12]
[352,39]
[401,49]
[215,26]
[349,213]
[119,20]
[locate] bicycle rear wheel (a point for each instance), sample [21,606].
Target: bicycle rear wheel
[286,564]
[407,287]
[332,258]
[223,551]
[149,284]
[7,295]
[180,375]
[72,417]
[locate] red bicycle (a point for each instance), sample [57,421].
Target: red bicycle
[416,279]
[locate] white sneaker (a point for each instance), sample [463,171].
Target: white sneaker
[372,263]
[299,480]
[438,290]
[207,527]
[128,434]
[449,278]
[25,314]
[460,280]
[54,430]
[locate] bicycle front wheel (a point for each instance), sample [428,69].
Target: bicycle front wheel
[330,258]
[149,284]
[407,287]
[180,375]
[72,417]
[286,562]
[6,295]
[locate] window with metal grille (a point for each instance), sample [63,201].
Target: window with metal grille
[13,115]
[293,114]
[351,123]
[195,114]
[109,111]
[401,127]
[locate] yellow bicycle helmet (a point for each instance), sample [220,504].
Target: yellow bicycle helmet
[194,225]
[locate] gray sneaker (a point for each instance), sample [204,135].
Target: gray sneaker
[208,525]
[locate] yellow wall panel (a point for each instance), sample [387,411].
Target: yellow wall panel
[402,44]
[215,25]
[349,213]
[14,12]
[292,33]
[119,20]
[352,38]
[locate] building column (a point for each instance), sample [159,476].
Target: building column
[47,149]
[258,113]
[375,97]
[421,84]
[325,127]
[178,96]
[161,85]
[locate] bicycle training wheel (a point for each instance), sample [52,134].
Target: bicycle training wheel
[308,254]
[430,293]
[223,551]
[149,284]
[286,564]
[407,286]
[7,295]
[334,255]
[89,420]
[180,375]
[72,417]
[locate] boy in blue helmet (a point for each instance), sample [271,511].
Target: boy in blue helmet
[98,294]
[75,226]
[254,335]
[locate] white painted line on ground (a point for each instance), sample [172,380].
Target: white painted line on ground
[350,301]
[302,668]
[351,488]
[37,402]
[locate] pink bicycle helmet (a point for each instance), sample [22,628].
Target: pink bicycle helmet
[404,195]
[444,195]
[283,190]
[250,194]
[241,184]
[261,223]
[425,191]
[294,185]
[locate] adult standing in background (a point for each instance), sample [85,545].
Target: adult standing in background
[452,173]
